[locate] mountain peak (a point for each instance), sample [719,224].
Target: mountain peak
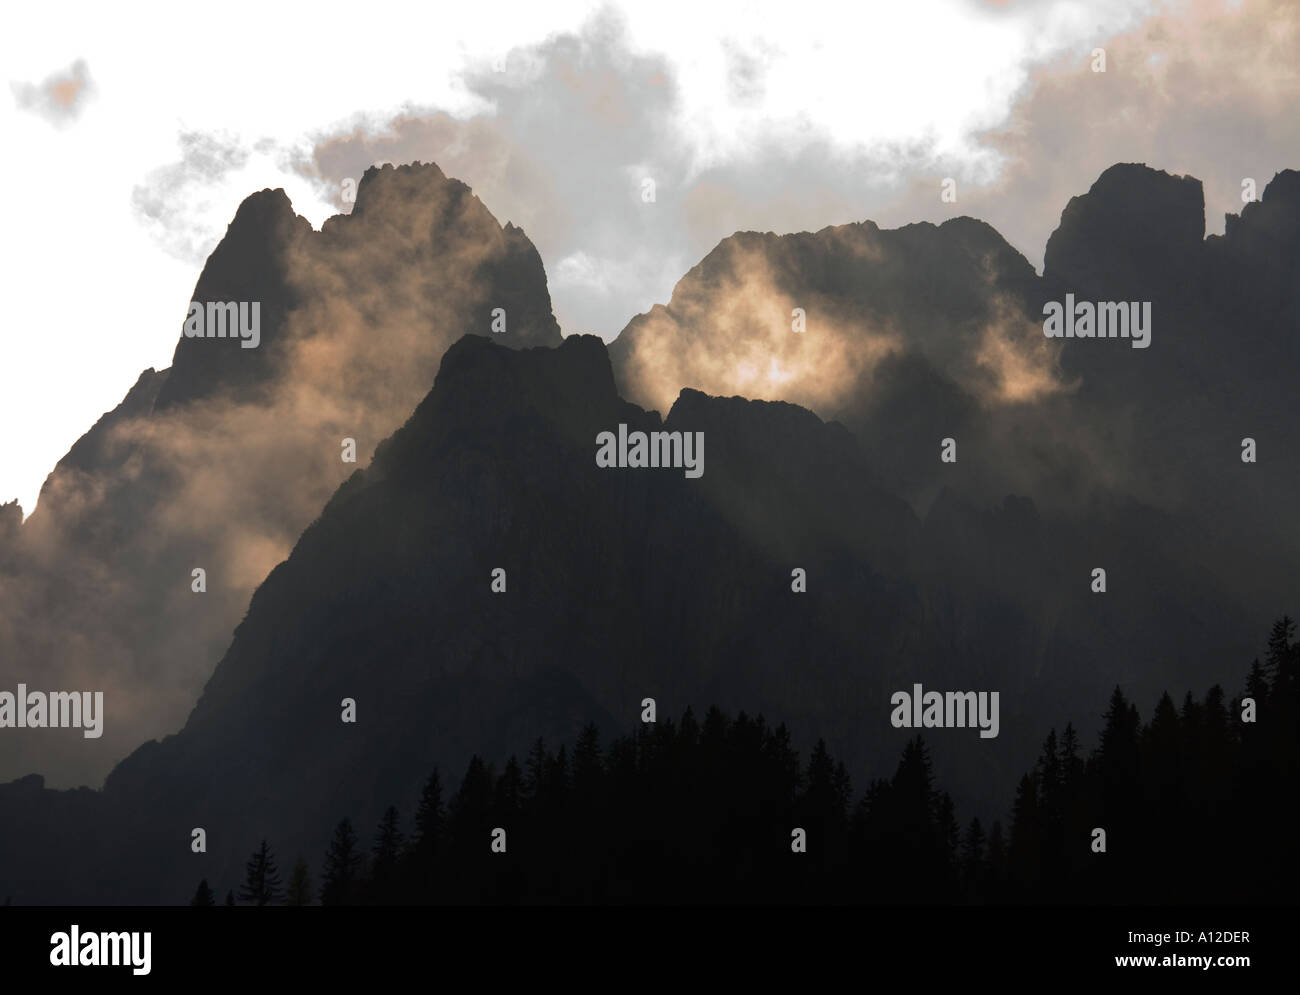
[1132,217]
[11,517]
[485,387]
[414,179]
[1274,219]
[250,265]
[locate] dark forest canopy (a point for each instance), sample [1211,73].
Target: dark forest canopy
[1194,804]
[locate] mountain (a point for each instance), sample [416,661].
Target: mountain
[926,333]
[627,583]
[219,462]
[620,584]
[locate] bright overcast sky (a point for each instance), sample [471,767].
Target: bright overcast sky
[96,291]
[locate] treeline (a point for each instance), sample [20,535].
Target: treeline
[1195,807]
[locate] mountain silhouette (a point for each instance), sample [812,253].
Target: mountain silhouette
[220,461]
[628,583]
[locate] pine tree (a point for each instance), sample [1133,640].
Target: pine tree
[1024,854]
[299,891]
[1276,663]
[388,845]
[1049,773]
[841,790]
[342,866]
[972,852]
[535,770]
[261,879]
[230,899]
[430,817]
[473,799]
[914,780]
[203,897]
[1215,715]
[784,761]
[557,780]
[819,788]
[996,863]
[1117,755]
[949,836]
[1162,744]
[587,769]
[510,791]
[1257,684]
[1071,763]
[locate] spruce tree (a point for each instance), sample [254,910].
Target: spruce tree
[299,890]
[535,769]
[972,853]
[342,866]
[203,897]
[430,817]
[1276,664]
[387,848]
[587,768]
[510,790]
[261,879]
[1071,763]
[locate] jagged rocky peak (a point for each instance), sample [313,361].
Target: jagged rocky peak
[482,389]
[412,181]
[250,265]
[434,224]
[412,229]
[11,517]
[1132,219]
[860,292]
[1273,221]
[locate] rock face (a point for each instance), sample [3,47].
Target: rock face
[11,519]
[905,332]
[1132,224]
[252,263]
[219,462]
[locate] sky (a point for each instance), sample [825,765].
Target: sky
[132,135]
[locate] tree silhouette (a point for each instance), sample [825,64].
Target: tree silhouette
[298,892]
[535,769]
[261,879]
[1277,663]
[972,859]
[587,766]
[203,897]
[607,826]
[387,849]
[342,866]
[430,817]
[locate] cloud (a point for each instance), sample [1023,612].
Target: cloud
[173,197]
[573,124]
[60,98]
[1203,88]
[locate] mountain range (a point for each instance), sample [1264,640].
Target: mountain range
[823,448]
